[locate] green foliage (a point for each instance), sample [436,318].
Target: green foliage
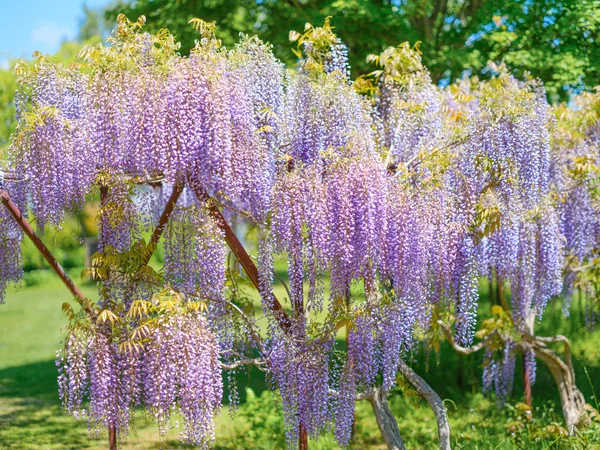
[542,428]
[261,420]
[92,25]
[8,86]
[403,63]
[321,39]
[555,40]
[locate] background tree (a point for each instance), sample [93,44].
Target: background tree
[8,85]
[555,40]
[92,24]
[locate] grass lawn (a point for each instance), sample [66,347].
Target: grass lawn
[30,415]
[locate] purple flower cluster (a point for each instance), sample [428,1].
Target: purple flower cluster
[195,253]
[300,369]
[11,259]
[537,274]
[337,61]
[50,145]
[499,374]
[214,117]
[325,115]
[176,370]
[402,201]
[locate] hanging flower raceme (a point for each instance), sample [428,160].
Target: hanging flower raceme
[323,112]
[170,363]
[459,198]
[136,108]
[260,76]
[332,219]
[181,364]
[11,258]
[512,142]
[50,143]
[579,222]
[351,242]
[344,408]
[538,274]
[300,369]
[195,253]
[499,374]
[408,103]
[407,255]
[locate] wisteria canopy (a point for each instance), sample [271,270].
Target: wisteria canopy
[389,197]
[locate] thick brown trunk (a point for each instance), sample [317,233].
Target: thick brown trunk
[303,439]
[571,398]
[526,382]
[112,437]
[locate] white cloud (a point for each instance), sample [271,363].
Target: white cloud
[49,35]
[4,63]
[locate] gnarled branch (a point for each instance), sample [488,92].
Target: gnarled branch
[435,402]
[258,362]
[459,348]
[385,419]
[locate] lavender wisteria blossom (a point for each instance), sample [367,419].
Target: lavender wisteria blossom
[408,104]
[11,260]
[176,370]
[388,197]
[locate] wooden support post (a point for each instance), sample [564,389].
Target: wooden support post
[303,438]
[526,382]
[112,437]
[112,430]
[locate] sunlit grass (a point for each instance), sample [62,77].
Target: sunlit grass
[30,416]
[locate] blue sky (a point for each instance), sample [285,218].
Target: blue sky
[28,25]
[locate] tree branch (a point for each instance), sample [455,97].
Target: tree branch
[240,252]
[459,348]
[435,402]
[385,419]
[566,345]
[258,362]
[39,244]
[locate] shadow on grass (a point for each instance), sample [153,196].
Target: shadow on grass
[30,414]
[31,417]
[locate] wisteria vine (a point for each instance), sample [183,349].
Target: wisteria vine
[389,196]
